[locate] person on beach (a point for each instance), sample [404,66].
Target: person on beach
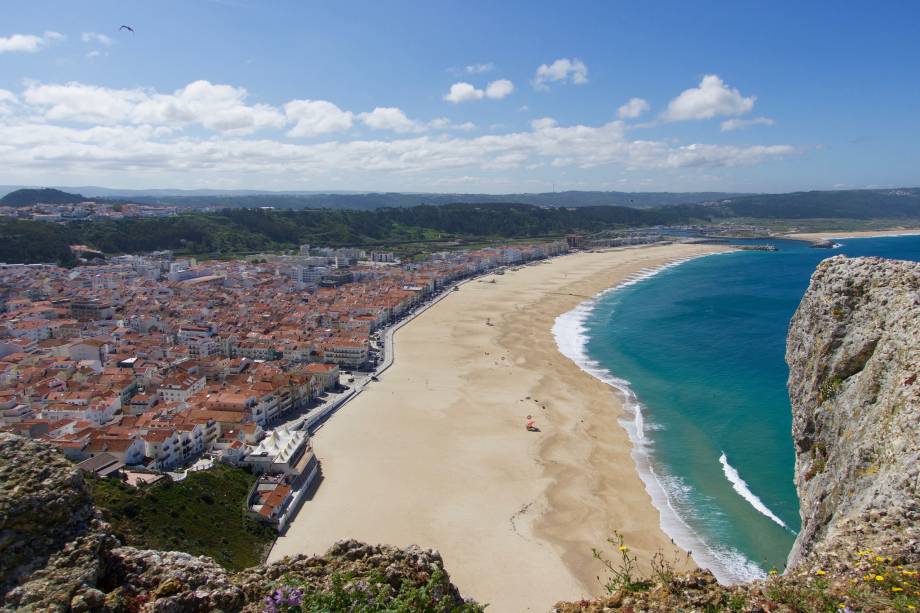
[531,425]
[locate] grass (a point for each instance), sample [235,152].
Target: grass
[867,581]
[370,594]
[201,515]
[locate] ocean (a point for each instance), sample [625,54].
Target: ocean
[698,350]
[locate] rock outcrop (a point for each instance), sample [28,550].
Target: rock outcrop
[44,505]
[56,554]
[854,358]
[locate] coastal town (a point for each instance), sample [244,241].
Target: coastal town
[89,210]
[148,367]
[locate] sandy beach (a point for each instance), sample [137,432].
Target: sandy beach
[817,236]
[436,453]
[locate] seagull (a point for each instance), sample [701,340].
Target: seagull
[128,28]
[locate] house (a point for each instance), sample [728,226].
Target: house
[178,388]
[350,354]
[140,403]
[91,310]
[102,465]
[162,448]
[126,449]
[326,375]
[88,349]
[287,452]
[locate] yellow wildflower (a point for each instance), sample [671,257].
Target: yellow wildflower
[820,572]
[879,559]
[623,548]
[774,571]
[897,589]
[879,578]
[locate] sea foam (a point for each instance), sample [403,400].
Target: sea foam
[669,494]
[741,486]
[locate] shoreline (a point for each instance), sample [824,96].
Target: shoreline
[818,236]
[436,454]
[570,333]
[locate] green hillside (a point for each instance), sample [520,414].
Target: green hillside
[201,515]
[28,197]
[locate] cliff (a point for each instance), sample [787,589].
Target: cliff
[853,352]
[854,355]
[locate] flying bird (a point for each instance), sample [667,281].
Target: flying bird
[128,28]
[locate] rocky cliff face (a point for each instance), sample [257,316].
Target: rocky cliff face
[44,505]
[57,555]
[854,357]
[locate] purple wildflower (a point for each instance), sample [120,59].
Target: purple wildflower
[294,598]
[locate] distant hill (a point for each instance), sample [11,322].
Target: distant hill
[358,200]
[844,204]
[839,204]
[28,197]
[378,200]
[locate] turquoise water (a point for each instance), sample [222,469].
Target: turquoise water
[702,347]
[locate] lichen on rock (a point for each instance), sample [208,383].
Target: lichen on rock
[853,351]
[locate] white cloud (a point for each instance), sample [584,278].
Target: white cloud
[736,124]
[93,133]
[480,68]
[443,123]
[499,89]
[466,92]
[463,92]
[544,123]
[28,43]
[7,99]
[390,118]
[216,107]
[314,117]
[84,103]
[95,37]
[155,151]
[94,54]
[632,109]
[712,98]
[562,70]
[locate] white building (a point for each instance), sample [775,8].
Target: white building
[179,389]
[285,452]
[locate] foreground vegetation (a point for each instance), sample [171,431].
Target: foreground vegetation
[858,580]
[202,515]
[347,591]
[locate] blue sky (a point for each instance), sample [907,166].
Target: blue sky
[461,96]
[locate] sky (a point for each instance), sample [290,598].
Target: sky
[460,96]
